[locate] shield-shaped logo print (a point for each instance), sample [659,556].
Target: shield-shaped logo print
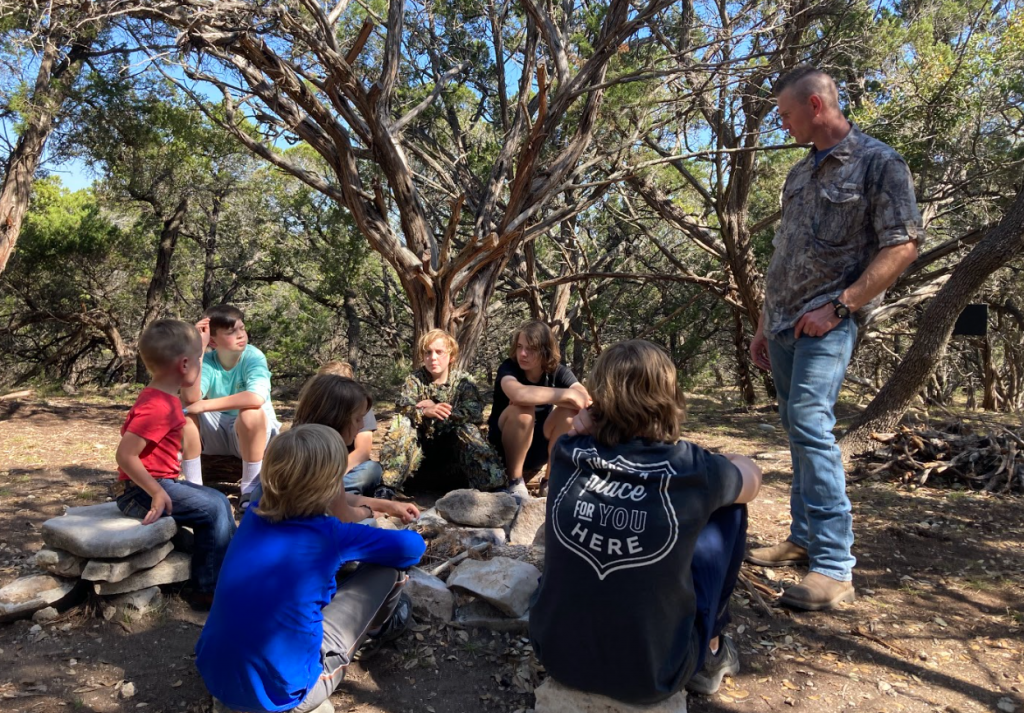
[616,514]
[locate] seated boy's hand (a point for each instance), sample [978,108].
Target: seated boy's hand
[203,326]
[406,512]
[200,406]
[582,423]
[161,505]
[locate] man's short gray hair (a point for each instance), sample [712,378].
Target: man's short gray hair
[805,80]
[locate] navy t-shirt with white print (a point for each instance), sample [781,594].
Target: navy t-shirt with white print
[614,613]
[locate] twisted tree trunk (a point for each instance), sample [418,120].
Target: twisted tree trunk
[1002,244]
[53,82]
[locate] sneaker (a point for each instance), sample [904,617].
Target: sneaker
[393,628]
[244,501]
[716,667]
[383,492]
[518,491]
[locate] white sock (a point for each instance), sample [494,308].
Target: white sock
[192,469]
[250,472]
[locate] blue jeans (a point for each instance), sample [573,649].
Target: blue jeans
[205,510]
[808,373]
[364,478]
[715,568]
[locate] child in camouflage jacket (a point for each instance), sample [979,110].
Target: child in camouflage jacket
[439,410]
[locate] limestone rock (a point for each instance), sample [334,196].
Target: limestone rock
[102,531]
[506,583]
[474,508]
[538,539]
[27,595]
[553,697]
[473,536]
[529,521]
[119,569]
[140,602]
[59,562]
[481,614]
[430,596]
[44,615]
[173,569]
[429,524]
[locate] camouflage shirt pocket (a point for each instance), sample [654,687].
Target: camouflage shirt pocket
[841,213]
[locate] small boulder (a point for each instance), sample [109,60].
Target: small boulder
[27,595]
[60,563]
[528,522]
[44,615]
[430,596]
[103,531]
[473,536]
[140,602]
[479,613]
[505,583]
[474,508]
[173,569]
[553,697]
[119,569]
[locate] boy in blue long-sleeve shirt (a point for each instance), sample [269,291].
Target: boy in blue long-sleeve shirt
[281,631]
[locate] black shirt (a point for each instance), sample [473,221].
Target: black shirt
[614,613]
[561,378]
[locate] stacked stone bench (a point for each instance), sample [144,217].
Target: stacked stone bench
[96,546]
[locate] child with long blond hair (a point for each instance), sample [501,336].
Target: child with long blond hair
[645,534]
[281,631]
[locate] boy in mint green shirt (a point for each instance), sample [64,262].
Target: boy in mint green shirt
[229,408]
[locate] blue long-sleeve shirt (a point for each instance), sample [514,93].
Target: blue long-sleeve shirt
[260,648]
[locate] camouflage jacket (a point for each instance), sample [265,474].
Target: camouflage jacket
[835,219]
[459,391]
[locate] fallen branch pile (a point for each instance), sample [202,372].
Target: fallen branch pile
[954,452]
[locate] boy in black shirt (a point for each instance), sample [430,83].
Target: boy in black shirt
[535,400]
[644,534]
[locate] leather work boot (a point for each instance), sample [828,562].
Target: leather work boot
[817,592]
[784,554]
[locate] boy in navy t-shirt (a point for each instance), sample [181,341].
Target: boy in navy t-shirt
[645,534]
[535,401]
[282,632]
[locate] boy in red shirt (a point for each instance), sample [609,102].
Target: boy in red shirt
[149,454]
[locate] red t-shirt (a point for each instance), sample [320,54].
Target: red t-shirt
[157,417]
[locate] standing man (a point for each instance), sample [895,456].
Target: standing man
[849,228]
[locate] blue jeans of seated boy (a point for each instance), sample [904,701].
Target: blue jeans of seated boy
[717,557]
[205,510]
[364,478]
[808,373]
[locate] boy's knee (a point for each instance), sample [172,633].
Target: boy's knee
[253,419]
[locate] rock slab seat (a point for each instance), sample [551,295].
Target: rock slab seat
[553,697]
[60,563]
[505,583]
[479,613]
[103,532]
[175,568]
[474,508]
[119,569]
[26,595]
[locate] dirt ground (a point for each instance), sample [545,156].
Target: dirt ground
[937,625]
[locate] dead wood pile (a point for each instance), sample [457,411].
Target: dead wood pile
[952,453]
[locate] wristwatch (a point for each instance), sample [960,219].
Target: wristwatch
[841,310]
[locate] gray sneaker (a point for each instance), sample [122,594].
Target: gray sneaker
[518,491]
[725,663]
